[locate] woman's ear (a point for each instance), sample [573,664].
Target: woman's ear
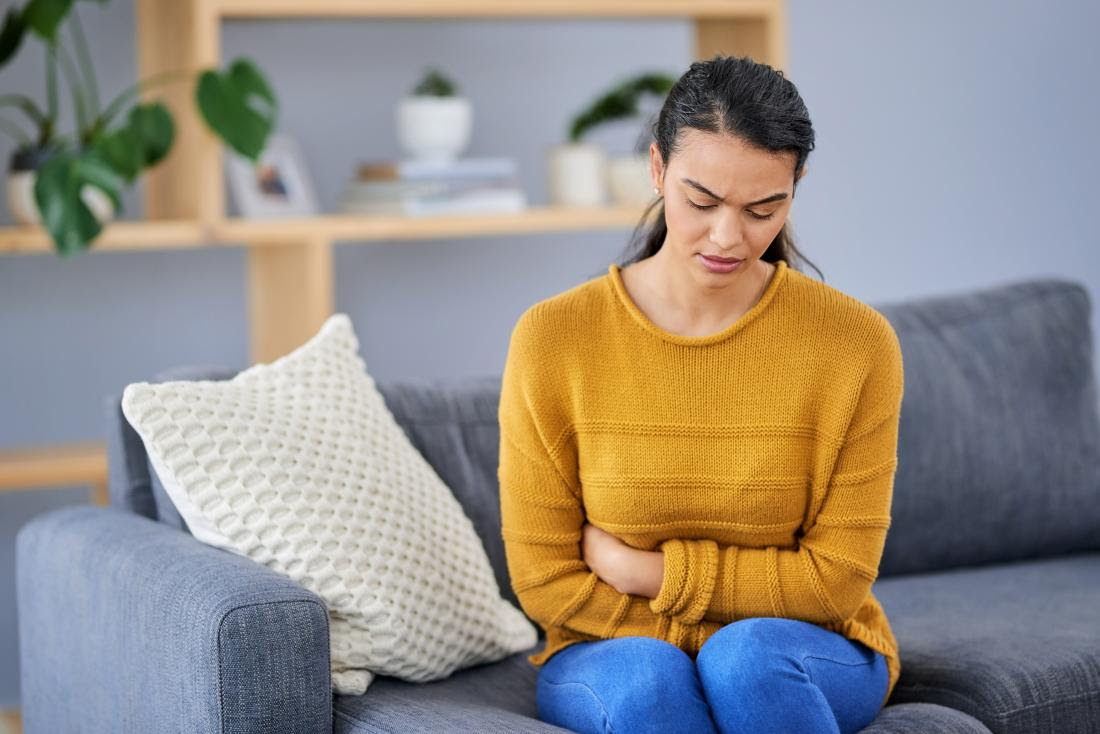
[656,167]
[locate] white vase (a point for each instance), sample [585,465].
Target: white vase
[628,176]
[577,174]
[433,128]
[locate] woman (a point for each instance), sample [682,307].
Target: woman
[698,450]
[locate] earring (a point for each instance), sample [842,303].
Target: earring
[656,191]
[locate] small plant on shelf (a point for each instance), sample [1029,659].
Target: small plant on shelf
[434,123]
[618,103]
[580,173]
[434,84]
[71,183]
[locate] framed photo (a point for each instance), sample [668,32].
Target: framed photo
[278,185]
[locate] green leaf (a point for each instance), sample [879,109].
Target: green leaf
[153,126]
[44,16]
[619,102]
[239,106]
[142,142]
[434,84]
[57,189]
[11,35]
[122,149]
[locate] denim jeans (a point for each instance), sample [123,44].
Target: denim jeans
[756,675]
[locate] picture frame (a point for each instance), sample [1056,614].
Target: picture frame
[277,185]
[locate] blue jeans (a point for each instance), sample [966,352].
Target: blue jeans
[755,675]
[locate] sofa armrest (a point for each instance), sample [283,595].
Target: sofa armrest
[126,624]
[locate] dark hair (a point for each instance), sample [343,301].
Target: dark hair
[740,97]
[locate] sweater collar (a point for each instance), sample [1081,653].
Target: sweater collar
[614,276]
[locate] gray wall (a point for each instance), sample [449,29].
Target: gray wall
[955,151]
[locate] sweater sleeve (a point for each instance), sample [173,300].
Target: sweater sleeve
[541,507]
[829,574]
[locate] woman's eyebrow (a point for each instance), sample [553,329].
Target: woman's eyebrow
[767,199]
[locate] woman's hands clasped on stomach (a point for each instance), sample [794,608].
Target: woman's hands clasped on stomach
[628,569]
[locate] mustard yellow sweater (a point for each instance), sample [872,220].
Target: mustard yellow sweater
[760,460]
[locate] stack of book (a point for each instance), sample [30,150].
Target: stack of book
[417,188]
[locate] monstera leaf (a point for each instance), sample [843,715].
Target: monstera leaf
[41,16]
[142,142]
[239,106]
[11,34]
[58,191]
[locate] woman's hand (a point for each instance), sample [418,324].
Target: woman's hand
[629,570]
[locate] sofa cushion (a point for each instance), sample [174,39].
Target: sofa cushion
[999,440]
[1016,646]
[923,718]
[299,465]
[166,511]
[453,424]
[132,482]
[496,697]
[500,697]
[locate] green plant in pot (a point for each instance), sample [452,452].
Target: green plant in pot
[580,173]
[71,184]
[433,122]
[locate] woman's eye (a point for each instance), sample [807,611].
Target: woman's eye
[754,215]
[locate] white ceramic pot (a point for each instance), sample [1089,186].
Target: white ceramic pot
[577,174]
[21,203]
[628,176]
[434,128]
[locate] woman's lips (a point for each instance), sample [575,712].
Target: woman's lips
[718,265]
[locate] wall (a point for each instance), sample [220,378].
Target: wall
[954,152]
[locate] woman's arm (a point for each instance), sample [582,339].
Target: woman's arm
[630,570]
[541,507]
[828,576]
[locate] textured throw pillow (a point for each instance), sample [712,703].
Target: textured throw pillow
[299,465]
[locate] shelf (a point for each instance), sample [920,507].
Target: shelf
[123,235]
[157,235]
[366,228]
[57,466]
[228,9]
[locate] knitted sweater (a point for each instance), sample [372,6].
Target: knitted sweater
[759,459]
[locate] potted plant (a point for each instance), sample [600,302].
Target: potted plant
[580,173]
[433,122]
[71,183]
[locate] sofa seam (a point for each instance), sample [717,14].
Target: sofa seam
[218,647]
[1046,704]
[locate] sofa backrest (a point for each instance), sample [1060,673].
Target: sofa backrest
[999,445]
[998,450]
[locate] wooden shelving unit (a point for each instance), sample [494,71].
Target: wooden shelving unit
[290,278]
[56,466]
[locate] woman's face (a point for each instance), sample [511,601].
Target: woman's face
[746,193]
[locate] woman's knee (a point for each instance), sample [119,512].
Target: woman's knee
[646,663]
[756,645]
[770,634]
[622,682]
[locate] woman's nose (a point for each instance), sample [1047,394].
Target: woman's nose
[726,232]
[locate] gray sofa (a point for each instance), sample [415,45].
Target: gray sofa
[990,576]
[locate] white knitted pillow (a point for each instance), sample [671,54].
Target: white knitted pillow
[299,465]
